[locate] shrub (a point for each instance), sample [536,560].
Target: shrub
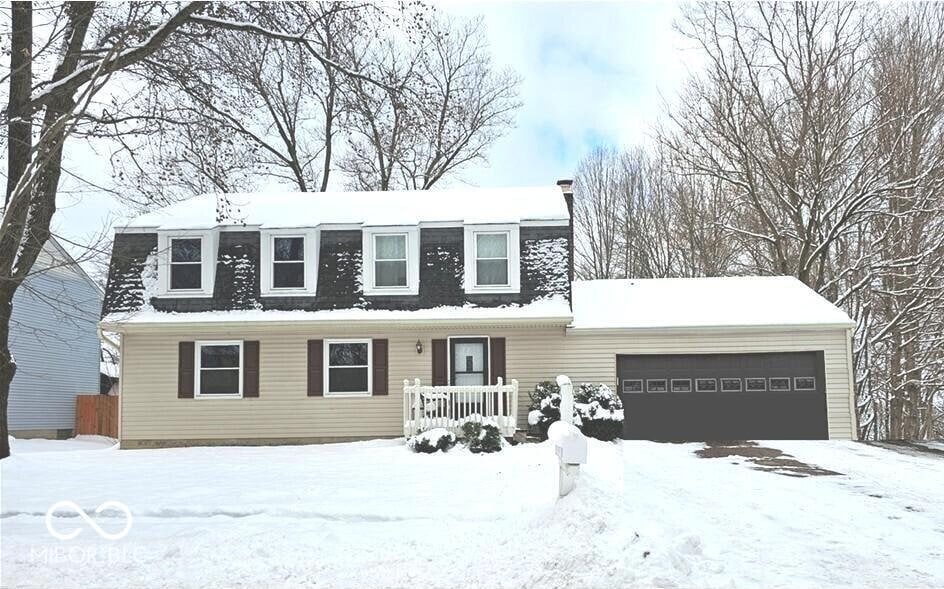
[432,441]
[482,437]
[598,411]
[545,406]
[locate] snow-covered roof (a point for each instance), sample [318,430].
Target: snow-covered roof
[555,310]
[701,302]
[409,207]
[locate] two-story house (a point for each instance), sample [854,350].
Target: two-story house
[289,318]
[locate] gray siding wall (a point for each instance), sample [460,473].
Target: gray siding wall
[54,342]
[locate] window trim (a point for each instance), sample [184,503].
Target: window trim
[714,380]
[799,390]
[311,248]
[488,356]
[724,378]
[665,381]
[786,390]
[207,264]
[198,368]
[368,244]
[513,252]
[326,366]
[642,388]
[675,380]
[748,389]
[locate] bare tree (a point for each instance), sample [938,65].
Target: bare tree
[52,83]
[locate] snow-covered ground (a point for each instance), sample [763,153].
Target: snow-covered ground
[372,514]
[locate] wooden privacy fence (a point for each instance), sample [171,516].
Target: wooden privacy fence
[96,415]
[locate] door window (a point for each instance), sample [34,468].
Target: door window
[468,361]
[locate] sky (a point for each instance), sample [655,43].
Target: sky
[594,74]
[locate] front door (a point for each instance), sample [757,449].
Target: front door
[468,364]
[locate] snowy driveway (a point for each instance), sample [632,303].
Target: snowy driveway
[374,515]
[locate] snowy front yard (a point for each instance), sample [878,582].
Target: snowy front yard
[373,514]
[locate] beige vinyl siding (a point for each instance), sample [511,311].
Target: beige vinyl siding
[150,409]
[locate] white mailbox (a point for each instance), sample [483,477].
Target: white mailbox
[569,442]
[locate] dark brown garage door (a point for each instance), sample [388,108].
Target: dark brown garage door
[723,396]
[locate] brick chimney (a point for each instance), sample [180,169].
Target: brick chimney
[567,187]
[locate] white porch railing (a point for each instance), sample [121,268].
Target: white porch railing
[426,407]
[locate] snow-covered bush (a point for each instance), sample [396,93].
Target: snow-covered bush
[432,441]
[598,411]
[545,406]
[482,437]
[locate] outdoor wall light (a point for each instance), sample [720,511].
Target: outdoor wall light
[419,347]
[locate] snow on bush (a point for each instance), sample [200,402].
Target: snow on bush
[432,441]
[598,411]
[482,437]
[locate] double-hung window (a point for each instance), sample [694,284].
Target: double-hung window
[491,259]
[347,365]
[288,262]
[219,369]
[186,263]
[391,261]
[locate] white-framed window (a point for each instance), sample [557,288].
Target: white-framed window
[755,384]
[492,259]
[779,383]
[804,383]
[348,365]
[186,263]
[730,385]
[289,261]
[656,385]
[632,385]
[391,261]
[681,385]
[706,385]
[219,369]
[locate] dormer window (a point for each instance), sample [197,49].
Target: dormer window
[289,261]
[391,261]
[186,263]
[491,259]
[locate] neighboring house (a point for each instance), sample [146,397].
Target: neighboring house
[54,342]
[286,318]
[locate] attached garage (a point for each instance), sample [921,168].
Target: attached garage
[778,395]
[716,358]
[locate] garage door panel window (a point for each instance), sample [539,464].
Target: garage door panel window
[731,385]
[656,385]
[681,385]
[706,385]
[632,385]
[779,384]
[804,383]
[755,385]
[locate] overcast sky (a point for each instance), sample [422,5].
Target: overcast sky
[594,73]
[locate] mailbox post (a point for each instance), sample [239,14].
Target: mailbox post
[569,442]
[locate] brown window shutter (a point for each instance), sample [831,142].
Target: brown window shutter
[440,374]
[315,368]
[250,369]
[496,360]
[379,357]
[185,370]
